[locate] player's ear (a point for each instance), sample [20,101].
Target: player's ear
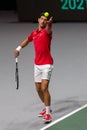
[38,19]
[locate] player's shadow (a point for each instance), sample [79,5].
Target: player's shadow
[65,105]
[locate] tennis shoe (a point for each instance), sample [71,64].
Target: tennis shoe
[47,118]
[43,113]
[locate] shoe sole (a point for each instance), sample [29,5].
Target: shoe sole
[47,121]
[40,116]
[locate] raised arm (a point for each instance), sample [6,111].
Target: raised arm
[49,25]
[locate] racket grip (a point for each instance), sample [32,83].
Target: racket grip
[16,59]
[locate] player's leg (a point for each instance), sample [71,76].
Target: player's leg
[37,77]
[47,100]
[42,76]
[45,91]
[41,96]
[46,75]
[39,91]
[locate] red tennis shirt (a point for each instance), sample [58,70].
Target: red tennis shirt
[42,43]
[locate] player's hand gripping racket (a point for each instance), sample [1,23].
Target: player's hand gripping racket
[17,74]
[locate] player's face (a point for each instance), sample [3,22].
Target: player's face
[42,21]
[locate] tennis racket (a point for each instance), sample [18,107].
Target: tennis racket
[17,74]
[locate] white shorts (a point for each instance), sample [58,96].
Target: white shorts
[42,72]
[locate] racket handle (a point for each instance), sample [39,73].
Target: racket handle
[16,59]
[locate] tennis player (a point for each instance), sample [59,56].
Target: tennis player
[43,62]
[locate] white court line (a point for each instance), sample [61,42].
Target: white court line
[62,118]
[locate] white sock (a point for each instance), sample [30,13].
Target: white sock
[47,109]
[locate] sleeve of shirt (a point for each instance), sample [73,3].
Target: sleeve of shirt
[50,34]
[30,37]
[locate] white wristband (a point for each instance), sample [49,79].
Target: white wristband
[18,48]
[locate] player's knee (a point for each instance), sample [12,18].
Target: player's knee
[44,89]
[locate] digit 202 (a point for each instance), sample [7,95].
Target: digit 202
[74,4]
